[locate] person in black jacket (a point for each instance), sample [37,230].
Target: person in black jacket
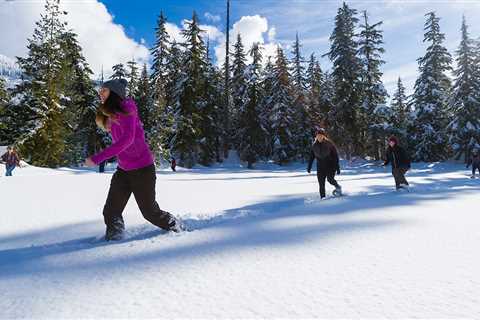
[400,162]
[325,152]
[474,161]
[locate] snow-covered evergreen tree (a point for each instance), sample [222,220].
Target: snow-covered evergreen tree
[4,97]
[250,134]
[430,96]
[161,50]
[314,83]
[189,96]
[464,129]
[266,107]
[210,148]
[162,87]
[303,126]
[372,116]
[327,95]
[346,75]
[80,100]
[143,98]
[119,72]
[238,87]
[283,115]
[401,119]
[164,118]
[132,78]
[37,107]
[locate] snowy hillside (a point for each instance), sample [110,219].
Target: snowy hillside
[9,69]
[263,245]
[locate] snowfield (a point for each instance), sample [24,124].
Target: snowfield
[262,245]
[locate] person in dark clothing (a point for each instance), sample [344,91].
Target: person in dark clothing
[11,160]
[173,164]
[325,152]
[474,161]
[400,162]
[101,166]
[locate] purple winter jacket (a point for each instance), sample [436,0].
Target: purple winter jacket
[128,140]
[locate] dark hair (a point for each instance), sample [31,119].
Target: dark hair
[109,109]
[112,105]
[394,139]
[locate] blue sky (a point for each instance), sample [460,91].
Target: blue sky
[114,31]
[313,19]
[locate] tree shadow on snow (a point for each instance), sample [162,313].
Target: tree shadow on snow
[266,224]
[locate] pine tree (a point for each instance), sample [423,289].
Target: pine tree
[119,72]
[464,129]
[189,97]
[401,111]
[401,118]
[319,94]
[143,98]
[327,96]
[162,87]
[3,93]
[251,134]
[430,96]
[161,50]
[80,99]
[314,82]
[132,78]
[38,107]
[303,122]
[283,116]
[4,98]
[238,87]
[210,147]
[372,116]
[266,107]
[346,75]
[165,117]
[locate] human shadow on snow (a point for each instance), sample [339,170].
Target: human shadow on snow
[250,226]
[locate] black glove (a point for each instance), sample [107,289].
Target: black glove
[308,170]
[338,170]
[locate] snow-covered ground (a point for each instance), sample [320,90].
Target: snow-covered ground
[263,245]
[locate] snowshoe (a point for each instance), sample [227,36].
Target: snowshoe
[176,225]
[113,235]
[403,188]
[337,192]
[115,230]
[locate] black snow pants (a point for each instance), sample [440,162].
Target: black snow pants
[474,169]
[399,176]
[326,175]
[141,183]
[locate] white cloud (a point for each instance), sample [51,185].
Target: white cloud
[174,32]
[212,18]
[211,32]
[272,32]
[252,29]
[104,42]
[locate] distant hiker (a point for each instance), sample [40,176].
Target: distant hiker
[325,152]
[173,164]
[136,169]
[11,160]
[474,161]
[400,162]
[101,166]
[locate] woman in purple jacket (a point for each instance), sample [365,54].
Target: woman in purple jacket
[136,169]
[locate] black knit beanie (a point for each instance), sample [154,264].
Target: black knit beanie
[119,86]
